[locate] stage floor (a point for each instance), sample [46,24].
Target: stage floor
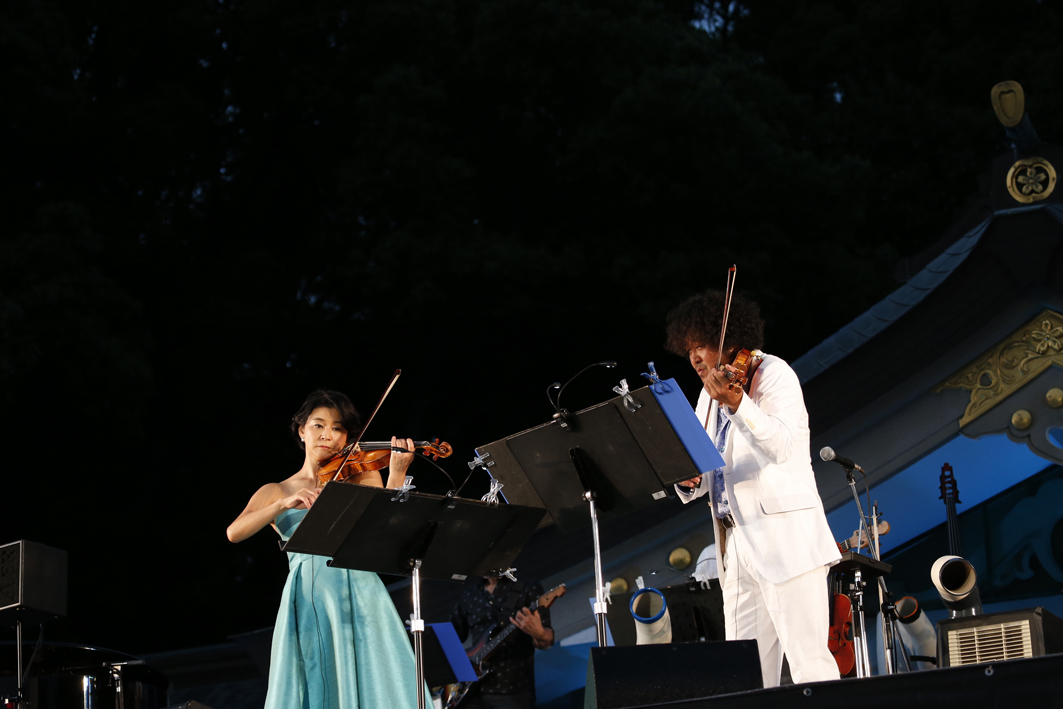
[1035,682]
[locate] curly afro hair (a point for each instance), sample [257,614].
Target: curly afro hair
[697,321]
[331,399]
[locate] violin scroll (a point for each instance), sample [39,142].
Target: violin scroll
[436,449]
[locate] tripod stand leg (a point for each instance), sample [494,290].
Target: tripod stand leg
[863,663]
[18,640]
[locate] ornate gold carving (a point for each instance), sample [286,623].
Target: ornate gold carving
[1054,397]
[1021,419]
[1006,368]
[1009,103]
[1031,180]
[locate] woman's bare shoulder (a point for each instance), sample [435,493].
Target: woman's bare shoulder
[268,493]
[297,482]
[271,492]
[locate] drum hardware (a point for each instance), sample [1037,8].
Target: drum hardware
[76,677]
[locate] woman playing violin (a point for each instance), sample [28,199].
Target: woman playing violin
[322,425]
[327,612]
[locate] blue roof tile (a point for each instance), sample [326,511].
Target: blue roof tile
[891,308]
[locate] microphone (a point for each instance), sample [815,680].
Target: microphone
[827,453]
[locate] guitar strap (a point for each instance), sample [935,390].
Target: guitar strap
[510,600]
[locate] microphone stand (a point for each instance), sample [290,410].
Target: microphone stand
[887,607]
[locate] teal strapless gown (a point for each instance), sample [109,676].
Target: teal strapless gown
[338,642]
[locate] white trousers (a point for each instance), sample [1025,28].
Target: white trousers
[790,618]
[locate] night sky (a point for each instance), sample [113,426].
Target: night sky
[212,208]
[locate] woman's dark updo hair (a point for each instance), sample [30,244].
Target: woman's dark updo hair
[697,321]
[331,399]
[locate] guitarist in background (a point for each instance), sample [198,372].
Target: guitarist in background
[492,605]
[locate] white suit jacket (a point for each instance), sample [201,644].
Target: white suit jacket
[780,523]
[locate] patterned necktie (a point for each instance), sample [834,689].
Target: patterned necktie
[719,491]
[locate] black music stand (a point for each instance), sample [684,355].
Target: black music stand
[409,534]
[651,433]
[618,456]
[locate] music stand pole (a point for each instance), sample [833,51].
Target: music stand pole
[417,627]
[599,582]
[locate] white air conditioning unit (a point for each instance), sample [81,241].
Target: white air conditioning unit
[997,637]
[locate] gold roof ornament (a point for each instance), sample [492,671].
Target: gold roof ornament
[679,558]
[1031,180]
[1009,103]
[1006,368]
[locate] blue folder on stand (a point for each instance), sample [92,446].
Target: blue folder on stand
[685,423]
[445,658]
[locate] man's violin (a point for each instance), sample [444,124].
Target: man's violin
[745,364]
[369,456]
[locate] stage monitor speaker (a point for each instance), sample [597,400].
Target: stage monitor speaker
[32,582]
[640,675]
[994,637]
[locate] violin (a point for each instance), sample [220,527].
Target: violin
[353,461]
[745,365]
[745,362]
[839,638]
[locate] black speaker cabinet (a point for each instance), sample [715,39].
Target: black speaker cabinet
[32,582]
[642,675]
[994,637]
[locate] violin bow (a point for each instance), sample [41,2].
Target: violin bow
[353,444]
[726,311]
[728,290]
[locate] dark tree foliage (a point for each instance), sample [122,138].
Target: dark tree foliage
[212,208]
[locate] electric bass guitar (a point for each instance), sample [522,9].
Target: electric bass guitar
[485,646]
[850,543]
[482,649]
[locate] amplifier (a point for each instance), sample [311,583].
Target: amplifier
[32,582]
[995,637]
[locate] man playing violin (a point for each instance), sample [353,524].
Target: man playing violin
[768,520]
